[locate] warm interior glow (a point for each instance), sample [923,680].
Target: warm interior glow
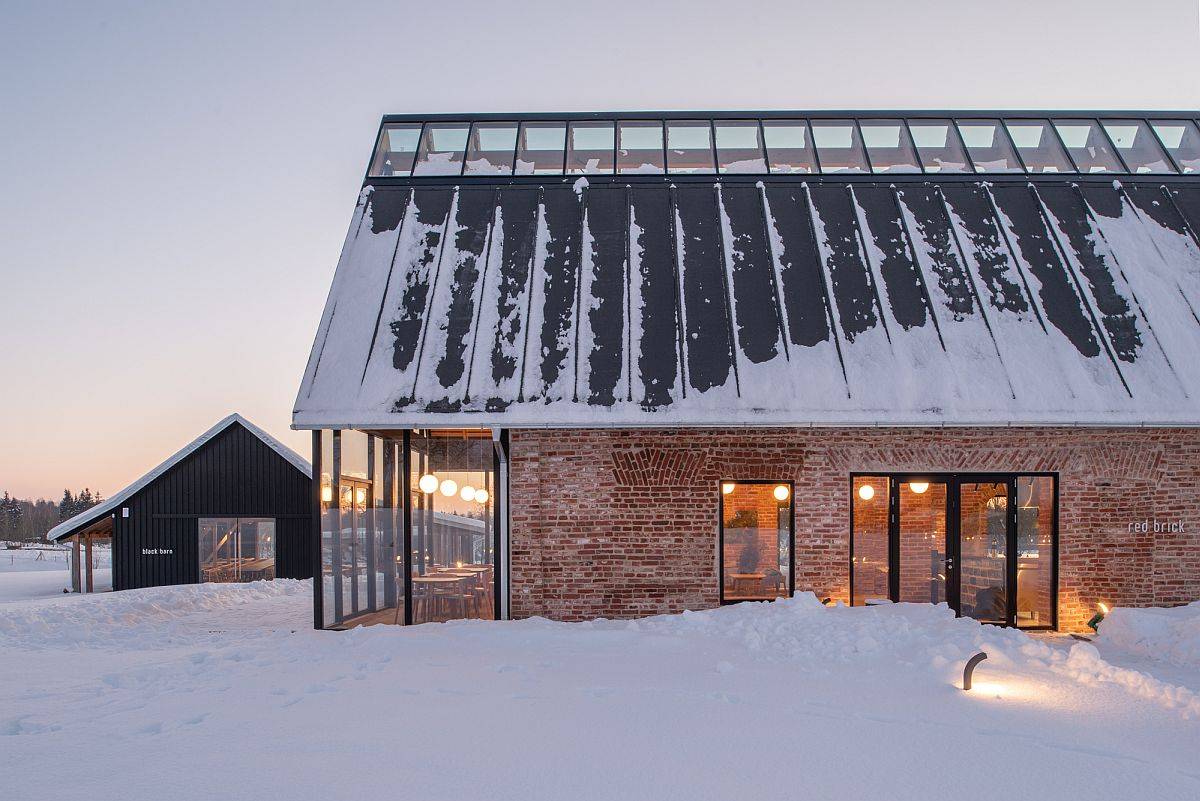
[782,492]
[449,488]
[727,487]
[866,492]
[919,487]
[468,493]
[326,494]
[481,496]
[360,496]
[428,483]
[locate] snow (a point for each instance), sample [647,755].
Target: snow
[45,572]
[1169,635]
[223,691]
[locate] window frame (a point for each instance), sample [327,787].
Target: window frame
[791,501]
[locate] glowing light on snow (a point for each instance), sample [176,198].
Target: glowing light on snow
[428,483]
[866,492]
[449,488]
[782,492]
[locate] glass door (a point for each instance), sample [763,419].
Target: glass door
[920,541]
[981,569]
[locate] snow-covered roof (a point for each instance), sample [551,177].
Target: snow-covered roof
[1053,300]
[85,518]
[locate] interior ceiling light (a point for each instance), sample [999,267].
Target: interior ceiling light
[360,495]
[428,483]
[782,492]
[449,488]
[481,496]
[468,493]
[326,494]
[866,492]
[727,487]
[919,487]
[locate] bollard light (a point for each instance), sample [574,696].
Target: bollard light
[970,668]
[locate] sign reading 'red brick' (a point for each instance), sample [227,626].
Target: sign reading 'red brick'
[1157,526]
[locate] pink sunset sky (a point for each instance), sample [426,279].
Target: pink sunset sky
[178,178]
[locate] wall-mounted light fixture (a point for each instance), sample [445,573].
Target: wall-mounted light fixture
[727,487]
[781,492]
[866,492]
[326,494]
[919,487]
[969,670]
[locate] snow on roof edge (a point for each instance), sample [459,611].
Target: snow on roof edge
[99,510]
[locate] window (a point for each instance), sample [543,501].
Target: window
[452,488]
[1038,145]
[640,147]
[689,147]
[236,549]
[396,149]
[789,146]
[1182,140]
[441,151]
[1137,145]
[739,146]
[590,148]
[839,146]
[888,146]
[490,148]
[988,145]
[869,540]
[938,145]
[541,147]
[1035,551]
[756,540]
[1089,146]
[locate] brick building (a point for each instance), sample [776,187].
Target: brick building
[623,364]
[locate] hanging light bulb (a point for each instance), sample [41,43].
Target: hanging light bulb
[428,483]
[468,493]
[919,487]
[727,487]
[449,488]
[326,494]
[866,492]
[481,496]
[782,492]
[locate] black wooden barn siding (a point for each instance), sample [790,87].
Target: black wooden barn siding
[234,474]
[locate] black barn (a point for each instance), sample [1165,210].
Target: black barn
[233,505]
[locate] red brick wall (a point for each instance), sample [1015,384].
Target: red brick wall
[623,523]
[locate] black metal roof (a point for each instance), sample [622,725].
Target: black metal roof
[790,300]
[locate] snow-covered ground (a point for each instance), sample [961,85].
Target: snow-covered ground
[44,571]
[225,692]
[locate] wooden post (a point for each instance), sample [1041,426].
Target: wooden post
[76,585]
[88,545]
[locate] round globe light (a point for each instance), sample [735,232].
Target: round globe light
[481,496]
[468,493]
[782,492]
[727,487]
[919,487]
[866,492]
[428,483]
[449,488]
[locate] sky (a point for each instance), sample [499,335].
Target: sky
[176,179]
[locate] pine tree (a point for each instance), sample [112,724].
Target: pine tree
[66,507]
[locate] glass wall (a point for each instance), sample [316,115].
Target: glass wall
[983,551]
[778,145]
[373,569]
[236,549]
[452,484]
[756,540]
[869,552]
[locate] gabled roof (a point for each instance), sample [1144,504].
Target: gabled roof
[88,517]
[663,300]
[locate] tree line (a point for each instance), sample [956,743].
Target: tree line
[25,520]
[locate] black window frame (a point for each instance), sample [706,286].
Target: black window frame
[791,501]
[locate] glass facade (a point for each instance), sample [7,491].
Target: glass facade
[777,145]
[985,545]
[236,548]
[756,540]
[443,507]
